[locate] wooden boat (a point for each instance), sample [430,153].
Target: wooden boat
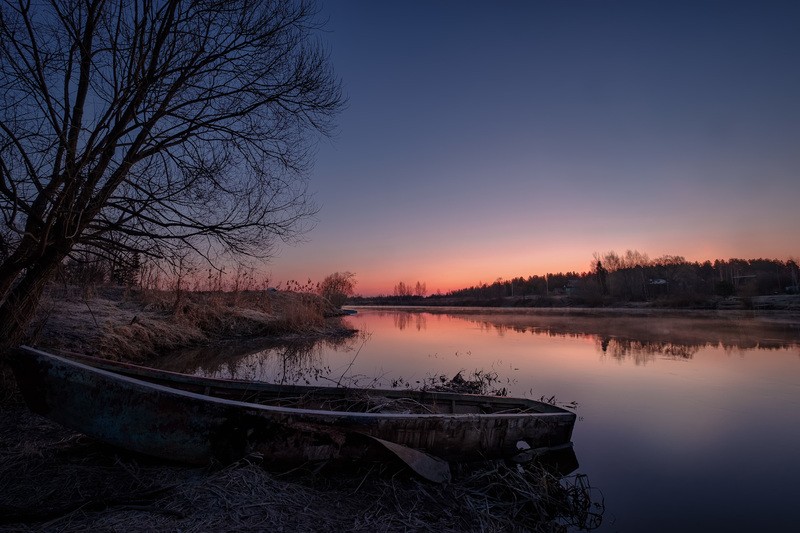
[197,420]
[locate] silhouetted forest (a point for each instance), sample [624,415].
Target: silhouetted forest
[632,277]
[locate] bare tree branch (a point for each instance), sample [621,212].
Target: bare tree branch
[156,124]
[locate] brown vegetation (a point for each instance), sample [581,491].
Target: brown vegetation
[135,325]
[336,287]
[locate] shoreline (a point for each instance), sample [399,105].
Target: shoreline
[788,317]
[777,302]
[139,326]
[54,478]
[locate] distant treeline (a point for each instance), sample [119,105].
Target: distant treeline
[631,277]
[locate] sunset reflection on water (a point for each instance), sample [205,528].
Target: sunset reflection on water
[521,348]
[680,419]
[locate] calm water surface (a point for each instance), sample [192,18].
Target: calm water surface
[684,424]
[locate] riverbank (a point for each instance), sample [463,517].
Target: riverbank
[138,325]
[54,479]
[559,302]
[782,313]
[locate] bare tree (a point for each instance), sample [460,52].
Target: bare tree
[153,126]
[420,289]
[402,290]
[337,287]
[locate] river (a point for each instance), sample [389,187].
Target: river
[684,423]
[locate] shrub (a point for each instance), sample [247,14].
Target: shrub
[337,287]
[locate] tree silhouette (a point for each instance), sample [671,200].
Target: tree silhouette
[152,126]
[337,287]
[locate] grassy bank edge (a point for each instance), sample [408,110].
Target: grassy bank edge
[139,325]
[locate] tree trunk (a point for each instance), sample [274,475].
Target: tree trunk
[7,277]
[10,269]
[22,300]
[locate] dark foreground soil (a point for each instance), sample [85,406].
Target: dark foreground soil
[52,479]
[56,480]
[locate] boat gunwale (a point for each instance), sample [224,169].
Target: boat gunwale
[553,411]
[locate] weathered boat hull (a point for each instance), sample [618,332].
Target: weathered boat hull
[167,422]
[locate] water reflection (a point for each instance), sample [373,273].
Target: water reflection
[644,352]
[643,339]
[404,320]
[671,400]
[263,359]
[640,340]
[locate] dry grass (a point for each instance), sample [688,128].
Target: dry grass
[137,325]
[52,479]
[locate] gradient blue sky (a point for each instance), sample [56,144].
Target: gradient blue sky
[499,139]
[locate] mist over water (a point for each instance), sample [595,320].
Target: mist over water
[685,423]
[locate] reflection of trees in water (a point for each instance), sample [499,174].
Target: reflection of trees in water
[645,338]
[761,344]
[289,362]
[405,320]
[501,330]
[284,364]
[642,351]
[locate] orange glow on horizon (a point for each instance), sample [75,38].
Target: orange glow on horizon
[380,283]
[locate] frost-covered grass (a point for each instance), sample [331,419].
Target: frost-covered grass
[135,325]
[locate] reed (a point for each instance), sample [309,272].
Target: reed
[136,325]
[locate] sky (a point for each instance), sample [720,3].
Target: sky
[487,140]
